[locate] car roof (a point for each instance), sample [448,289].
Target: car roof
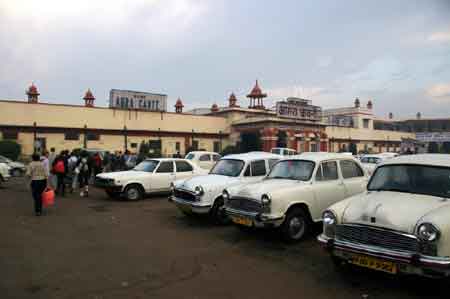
[375,156]
[165,159]
[421,159]
[203,152]
[253,156]
[320,156]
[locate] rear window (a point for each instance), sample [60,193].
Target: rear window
[350,169]
[190,156]
[183,166]
[165,167]
[205,157]
[327,171]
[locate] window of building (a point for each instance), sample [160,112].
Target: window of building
[12,135]
[194,145]
[205,157]
[183,166]
[258,168]
[350,169]
[366,123]
[134,145]
[177,146]
[71,136]
[92,136]
[165,167]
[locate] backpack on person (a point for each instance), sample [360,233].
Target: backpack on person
[59,167]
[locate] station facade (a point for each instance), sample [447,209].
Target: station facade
[294,123]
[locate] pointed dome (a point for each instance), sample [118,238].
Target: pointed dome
[357,103]
[214,108]
[232,100]
[256,92]
[32,93]
[369,104]
[88,95]
[179,106]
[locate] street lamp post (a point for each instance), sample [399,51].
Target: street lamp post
[220,141]
[85,137]
[34,137]
[192,144]
[125,136]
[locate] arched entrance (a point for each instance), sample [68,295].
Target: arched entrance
[250,141]
[282,140]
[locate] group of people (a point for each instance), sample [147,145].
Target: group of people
[73,170]
[56,171]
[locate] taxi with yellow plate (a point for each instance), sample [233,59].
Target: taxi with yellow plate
[401,224]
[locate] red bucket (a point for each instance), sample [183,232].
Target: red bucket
[48,197]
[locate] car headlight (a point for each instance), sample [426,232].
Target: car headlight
[428,232]
[266,199]
[225,195]
[329,223]
[199,191]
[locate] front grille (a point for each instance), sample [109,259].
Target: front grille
[187,196]
[384,238]
[244,204]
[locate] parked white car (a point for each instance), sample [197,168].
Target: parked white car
[203,194]
[401,224]
[295,193]
[4,173]
[205,160]
[283,151]
[17,168]
[370,162]
[149,176]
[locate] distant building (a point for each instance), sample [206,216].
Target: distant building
[137,100]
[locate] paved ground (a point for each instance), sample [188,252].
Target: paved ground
[99,248]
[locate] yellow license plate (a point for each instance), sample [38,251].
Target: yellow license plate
[242,221]
[373,263]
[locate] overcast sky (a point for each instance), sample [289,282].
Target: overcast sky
[396,53]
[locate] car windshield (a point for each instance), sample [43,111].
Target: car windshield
[190,156]
[228,167]
[419,179]
[292,170]
[147,166]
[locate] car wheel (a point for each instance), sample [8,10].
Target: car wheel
[296,225]
[218,214]
[133,192]
[16,172]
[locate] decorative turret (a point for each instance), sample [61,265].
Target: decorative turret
[369,104]
[214,108]
[89,99]
[32,94]
[357,103]
[419,115]
[179,106]
[232,101]
[391,115]
[256,97]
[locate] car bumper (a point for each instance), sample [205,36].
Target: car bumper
[407,262]
[5,177]
[254,218]
[191,206]
[109,188]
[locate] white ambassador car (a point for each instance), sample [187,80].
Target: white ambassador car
[401,224]
[295,193]
[205,160]
[149,176]
[203,194]
[370,162]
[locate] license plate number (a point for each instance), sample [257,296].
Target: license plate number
[242,221]
[373,263]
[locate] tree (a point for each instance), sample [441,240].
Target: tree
[10,149]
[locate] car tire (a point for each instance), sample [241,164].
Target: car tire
[217,213]
[296,225]
[133,192]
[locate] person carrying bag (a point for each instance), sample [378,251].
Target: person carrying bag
[38,175]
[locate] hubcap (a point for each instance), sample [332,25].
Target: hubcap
[133,193]
[296,227]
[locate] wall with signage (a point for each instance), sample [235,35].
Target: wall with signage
[127,99]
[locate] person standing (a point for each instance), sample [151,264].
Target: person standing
[38,175]
[59,168]
[97,163]
[84,173]
[52,177]
[46,163]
